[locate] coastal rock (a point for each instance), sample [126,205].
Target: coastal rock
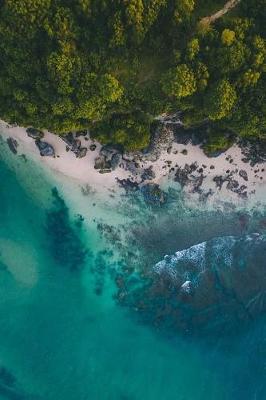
[243,174]
[93,147]
[74,145]
[153,195]
[115,160]
[132,167]
[182,136]
[109,151]
[254,150]
[82,152]
[182,175]
[101,163]
[161,140]
[214,286]
[128,185]
[12,144]
[46,149]
[148,174]
[34,133]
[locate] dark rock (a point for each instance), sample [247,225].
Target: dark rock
[93,147]
[148,174]
[102,163]
[232,185]
[152,194]
[243,174]
[254,150]
[212,287]
[34,133]
[219,180]
[82,152]
[184,152]
[74,144]
[128,185]
[105,171]
[115,160]
[182,175]
[131,166]
[12,144]
[109,150]
[182,136]
[46,149]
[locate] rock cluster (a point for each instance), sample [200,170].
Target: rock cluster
[211,287]
[110,157]
[74,144]
[46,149]
[153,195]
[34,133]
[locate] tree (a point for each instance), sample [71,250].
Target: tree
[221,100]
[228,37]
[179,82]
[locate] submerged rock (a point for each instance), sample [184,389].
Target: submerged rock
[12,144]
[46,149]
[215,286]
[153,194]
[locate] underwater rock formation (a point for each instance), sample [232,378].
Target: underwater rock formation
[214,286]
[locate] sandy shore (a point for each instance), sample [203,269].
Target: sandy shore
[201,180]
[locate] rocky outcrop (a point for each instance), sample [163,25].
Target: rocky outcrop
[74,144]
[101,163]
[153,195]
[12,144]
[161,140]
[215,286]
[34,133]
[110,157]
[46,149]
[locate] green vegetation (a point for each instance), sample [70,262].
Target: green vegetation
[112,66]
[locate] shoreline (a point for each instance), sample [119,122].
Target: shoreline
[206,179]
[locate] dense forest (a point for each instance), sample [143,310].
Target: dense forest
[113,65]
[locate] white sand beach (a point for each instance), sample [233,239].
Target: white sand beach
[229,164]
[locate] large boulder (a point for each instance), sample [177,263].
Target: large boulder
[12,144]
[46,149]
[101,163]
[74,145]
[34,133]
[115,160]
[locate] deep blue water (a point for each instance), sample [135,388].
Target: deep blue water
[64,335]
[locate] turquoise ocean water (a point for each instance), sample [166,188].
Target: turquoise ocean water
[63,335]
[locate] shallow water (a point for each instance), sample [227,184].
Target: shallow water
[62,333]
